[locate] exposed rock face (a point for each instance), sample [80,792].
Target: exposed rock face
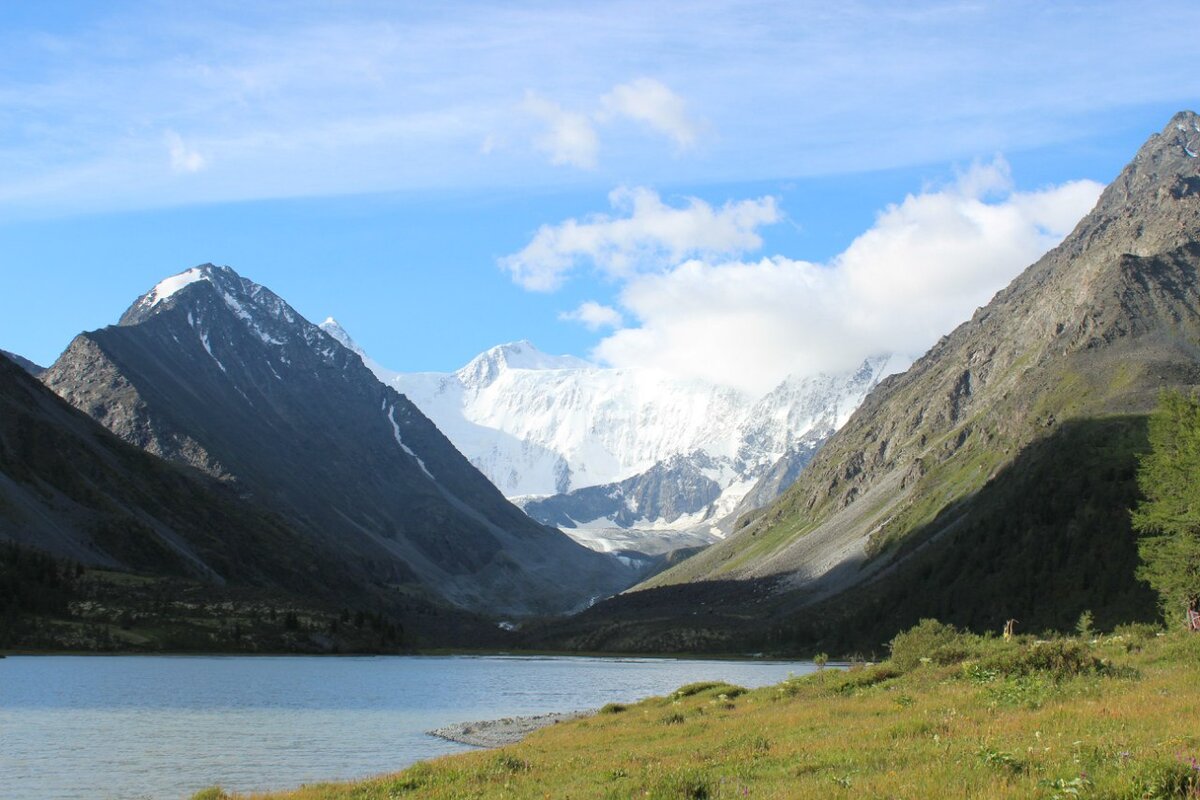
[213,370]
[1096,327]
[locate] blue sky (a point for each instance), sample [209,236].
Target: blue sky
[413,169]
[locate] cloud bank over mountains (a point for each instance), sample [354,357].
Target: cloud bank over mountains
[700,308]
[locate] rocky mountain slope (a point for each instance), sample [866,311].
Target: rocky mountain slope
[1010,426]
[215,371]
[627,457]
[74,490]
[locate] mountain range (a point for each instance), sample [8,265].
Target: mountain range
[990,481]
[628,458]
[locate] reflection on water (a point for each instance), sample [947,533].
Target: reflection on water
[165,727]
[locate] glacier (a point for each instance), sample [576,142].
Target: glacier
[618,456]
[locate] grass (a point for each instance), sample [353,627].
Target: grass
[1115,717]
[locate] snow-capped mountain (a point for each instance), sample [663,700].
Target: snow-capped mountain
[538,424]
[704,491]
[593,449]
[213,370]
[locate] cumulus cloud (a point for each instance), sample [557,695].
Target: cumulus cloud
[183,158]
[594,316]
[645,233]
[569,137]
[651,103]
[921,269]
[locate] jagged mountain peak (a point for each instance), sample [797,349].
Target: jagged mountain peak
[215,301]
[335,329]
[1141,209]
[521,354]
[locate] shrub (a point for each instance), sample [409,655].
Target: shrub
[612,708]
[504,762]
[719,687]
[911,646]
[211,793]
[1163,780]
[1059,659]
[687,785]
[1084,626]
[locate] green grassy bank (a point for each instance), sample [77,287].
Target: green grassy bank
[950,715]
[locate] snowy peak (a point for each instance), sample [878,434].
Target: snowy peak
[487,366]
[335,329]
[215,301]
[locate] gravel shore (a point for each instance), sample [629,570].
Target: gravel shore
[501,732]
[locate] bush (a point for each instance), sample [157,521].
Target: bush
[1059,659]
[211,793]
[911,647]
[687,785]
[714,687]
[1164,780]
[612,708]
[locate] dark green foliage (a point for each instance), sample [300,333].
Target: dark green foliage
[1045,539]
[31,582]
[1169,517]
[1059,659]
[912,646]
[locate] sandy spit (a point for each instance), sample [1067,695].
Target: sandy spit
[501,732]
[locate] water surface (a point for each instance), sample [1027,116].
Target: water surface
[164,727]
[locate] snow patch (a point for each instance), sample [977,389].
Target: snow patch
[406,448]
[208,349]
[169,286]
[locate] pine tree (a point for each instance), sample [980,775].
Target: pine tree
[1168,519]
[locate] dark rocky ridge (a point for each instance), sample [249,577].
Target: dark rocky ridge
[223,375]
[72,489]
[24,363]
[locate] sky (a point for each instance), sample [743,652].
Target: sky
[732,191]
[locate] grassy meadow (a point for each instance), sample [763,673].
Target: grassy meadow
[950,715]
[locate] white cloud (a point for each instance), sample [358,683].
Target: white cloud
[183,158]
[650,102]
[647,234]
[378,97]
[594,316]
[569,138]
[922,268]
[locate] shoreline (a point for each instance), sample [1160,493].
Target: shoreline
[505,731]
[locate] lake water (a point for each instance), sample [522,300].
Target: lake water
[165,727]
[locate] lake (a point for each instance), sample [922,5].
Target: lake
[164,727]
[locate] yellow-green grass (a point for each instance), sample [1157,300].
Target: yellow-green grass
[1114,718]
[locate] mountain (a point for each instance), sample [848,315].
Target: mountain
[627,458]
[993,479]
[702,493]
[104,546]
[24,363]
[74,490]
[215,371]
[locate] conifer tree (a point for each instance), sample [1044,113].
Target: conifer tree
[1168,519]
